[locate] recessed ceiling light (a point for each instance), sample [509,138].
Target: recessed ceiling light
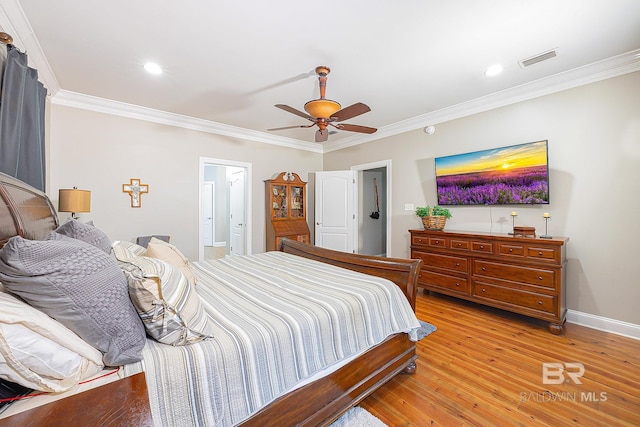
[494,70]
[153,68]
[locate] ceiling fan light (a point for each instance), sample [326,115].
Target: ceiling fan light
[321,108]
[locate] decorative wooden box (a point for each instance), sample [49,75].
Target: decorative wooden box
[521,231]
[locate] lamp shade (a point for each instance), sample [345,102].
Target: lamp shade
[321,108]
[74,200]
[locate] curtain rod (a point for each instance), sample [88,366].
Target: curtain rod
[5,38]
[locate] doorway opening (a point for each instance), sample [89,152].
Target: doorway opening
[374,208]
[224,208]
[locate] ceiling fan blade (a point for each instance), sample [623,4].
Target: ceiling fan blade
[355,128]
[292,127]
[322,135]
[350,112]
[294,111]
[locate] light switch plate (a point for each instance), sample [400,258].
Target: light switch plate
[408,207]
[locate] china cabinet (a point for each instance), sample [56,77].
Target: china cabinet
[286,210]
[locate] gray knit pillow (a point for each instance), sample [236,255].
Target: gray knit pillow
[81,287]
[86,232]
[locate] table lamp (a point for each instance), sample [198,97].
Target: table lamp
[74,201]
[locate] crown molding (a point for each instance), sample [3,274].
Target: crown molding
[107,106]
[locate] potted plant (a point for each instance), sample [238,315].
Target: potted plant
[433,218]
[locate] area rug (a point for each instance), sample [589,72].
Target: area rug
[357,417]
[425,329]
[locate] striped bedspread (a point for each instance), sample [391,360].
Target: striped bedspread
[279,319]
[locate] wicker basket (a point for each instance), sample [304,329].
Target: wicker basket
[434,222]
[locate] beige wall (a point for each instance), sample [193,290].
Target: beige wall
[594,156]
[100,152]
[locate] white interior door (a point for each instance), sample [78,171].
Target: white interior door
[335,212]
[237,212]
[208,213]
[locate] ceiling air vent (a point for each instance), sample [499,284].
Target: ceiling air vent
[538,58]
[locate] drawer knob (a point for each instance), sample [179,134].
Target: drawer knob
[539,302]
[457,284]
[484,269]
[481,246]
[457,264]
[459,244]
[510,249]
[540,253]
[482,289]
[539,277]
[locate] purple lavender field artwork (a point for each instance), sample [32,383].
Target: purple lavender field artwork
[517,174]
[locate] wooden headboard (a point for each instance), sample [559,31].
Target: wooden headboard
[24,211]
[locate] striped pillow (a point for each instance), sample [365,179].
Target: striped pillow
[123,249]
[166,301]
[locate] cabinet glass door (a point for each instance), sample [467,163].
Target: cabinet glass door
[279,200]
[297,201]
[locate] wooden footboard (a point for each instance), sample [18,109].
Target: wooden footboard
[323,401]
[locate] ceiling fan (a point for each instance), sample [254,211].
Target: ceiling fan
[325,112]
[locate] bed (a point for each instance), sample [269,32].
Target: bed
[320,400]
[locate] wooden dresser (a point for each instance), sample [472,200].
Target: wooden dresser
[524,275]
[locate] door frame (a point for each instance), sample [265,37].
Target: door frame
[375,165]
[213,212]
[207,161]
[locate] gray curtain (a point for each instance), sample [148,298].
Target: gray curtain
[22,104]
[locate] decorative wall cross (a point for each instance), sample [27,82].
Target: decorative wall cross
[135,190]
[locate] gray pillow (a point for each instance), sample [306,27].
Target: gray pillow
[87,233]
[81,287]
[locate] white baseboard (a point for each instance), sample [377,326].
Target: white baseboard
[618,327]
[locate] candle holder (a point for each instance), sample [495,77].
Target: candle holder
[513,223]
[546,224]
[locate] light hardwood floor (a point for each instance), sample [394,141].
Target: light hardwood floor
[484,367]
[214,252]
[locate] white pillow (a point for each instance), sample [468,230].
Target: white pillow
[170,253]
[40,353]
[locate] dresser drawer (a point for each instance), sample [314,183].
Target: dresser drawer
[459,244]
[542,253]
[444,281]
[448,262]
[420,240]
[437,242]
[515,273]
[482,247]
[511,250]
[546,303]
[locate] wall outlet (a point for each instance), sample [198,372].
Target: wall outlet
[409,207]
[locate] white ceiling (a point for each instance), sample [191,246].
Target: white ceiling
[227,63]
